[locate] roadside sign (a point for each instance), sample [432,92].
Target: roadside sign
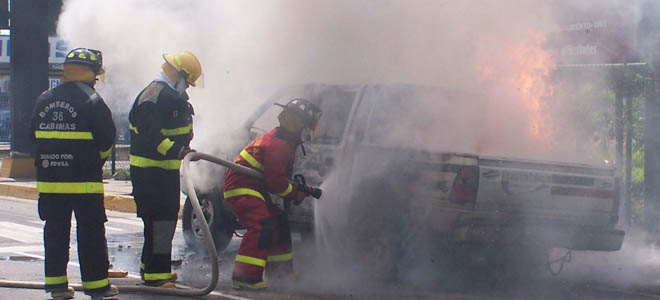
[58,48]
[595,38]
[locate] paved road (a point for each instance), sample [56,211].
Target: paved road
[21,234]
[21,246]
[633,273]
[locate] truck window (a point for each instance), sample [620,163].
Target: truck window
[419,118]
[266,122]
[387,117]
[336,104]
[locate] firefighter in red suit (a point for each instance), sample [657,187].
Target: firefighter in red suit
[267,242]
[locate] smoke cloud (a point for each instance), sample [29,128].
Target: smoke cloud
[492,53]
[251,49]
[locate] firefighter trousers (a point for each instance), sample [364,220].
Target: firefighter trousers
[156,259]
[267,242]
[156,193]
[90,233]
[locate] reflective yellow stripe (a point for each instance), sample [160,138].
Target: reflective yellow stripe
[64,135]
[178,62]
[90,285]
[143,162]
[167,132]
[251,160]
[239,192]
[280,257]
[177,131]
[165,145]
[142,266]
[287,192]
[70,187]
[251,260]
[57,280]
[106,153]
[157,276]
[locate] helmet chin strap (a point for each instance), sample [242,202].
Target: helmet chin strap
[306,135]
[302,147]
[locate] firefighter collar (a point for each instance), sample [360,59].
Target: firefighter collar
[162,77]
[179,86]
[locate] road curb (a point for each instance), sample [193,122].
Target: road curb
[119,203]
[112,202]
[18,191]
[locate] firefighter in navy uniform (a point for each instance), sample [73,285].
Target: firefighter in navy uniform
[267,242]
[161,130]
[74,132]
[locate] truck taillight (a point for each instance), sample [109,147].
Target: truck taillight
[466,184]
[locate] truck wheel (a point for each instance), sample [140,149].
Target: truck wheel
[217,215]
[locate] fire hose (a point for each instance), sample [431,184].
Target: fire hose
[192,156]
[299,179]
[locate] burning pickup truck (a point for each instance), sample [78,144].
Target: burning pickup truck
[391,180]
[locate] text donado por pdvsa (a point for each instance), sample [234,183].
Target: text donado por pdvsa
[57,126]
[53,156]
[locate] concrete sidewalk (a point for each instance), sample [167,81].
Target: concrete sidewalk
[117,192]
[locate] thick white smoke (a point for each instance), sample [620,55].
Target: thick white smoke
[249,49]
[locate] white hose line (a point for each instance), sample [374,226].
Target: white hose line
[231,165]
[210,246]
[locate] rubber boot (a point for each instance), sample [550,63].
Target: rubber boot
[63,294]
[173,278]
[165,284]
[110,292]
[240,285]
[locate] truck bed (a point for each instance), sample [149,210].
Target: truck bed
[502,200]
[569,194]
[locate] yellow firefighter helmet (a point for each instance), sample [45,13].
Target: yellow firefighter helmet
[187,63]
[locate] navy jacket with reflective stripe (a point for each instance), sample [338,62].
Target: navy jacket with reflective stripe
[160,113]
[71,131]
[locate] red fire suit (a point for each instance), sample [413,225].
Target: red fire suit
[267,241]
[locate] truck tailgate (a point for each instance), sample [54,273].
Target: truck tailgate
[570,194]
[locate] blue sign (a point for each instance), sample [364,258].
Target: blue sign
[58,48]
[53,82]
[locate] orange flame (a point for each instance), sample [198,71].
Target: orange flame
[522,73]
[534,66]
